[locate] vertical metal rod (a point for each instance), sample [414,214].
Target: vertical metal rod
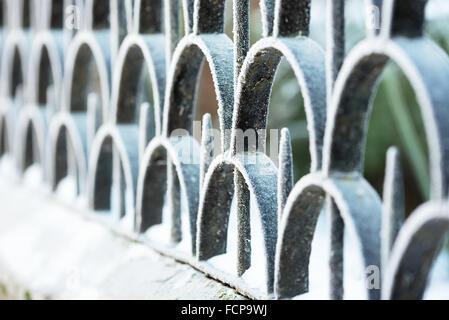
[335,41]
[207,147]
[244,228]
[334,60]
[285,177]
[241,34]
[119,191]
[393,211]
[336,264]
[241,47]
[173,198]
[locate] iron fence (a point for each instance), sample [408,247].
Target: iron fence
[94,89]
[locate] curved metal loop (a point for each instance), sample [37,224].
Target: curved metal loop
[352,99]
[30,138]
[46,68]
[138,56]
[14,63]
[260,176]
[254,88]
[182,82]
[66,141]
[182,153]
[359,207]
[87,51]
[417,245]
[113,155]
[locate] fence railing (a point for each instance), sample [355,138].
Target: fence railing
[93,90]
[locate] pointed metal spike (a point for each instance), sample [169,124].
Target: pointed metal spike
[207,147]
[143,125]
[51,101]
[393,210]
[285,176]
[93,117]
[242,197]
[174,202]
[20,95]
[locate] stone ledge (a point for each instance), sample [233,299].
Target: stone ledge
[51,251]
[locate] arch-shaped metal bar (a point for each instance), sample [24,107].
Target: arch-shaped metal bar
[137,55]
[65,139]
[30,138]
[253,91]
[45,67]
[359,206]
[152,183]
[416,247]
[208,16]
[84,49]
[14,63]
[260,176]
[112,138]
[351,104]
[182,82]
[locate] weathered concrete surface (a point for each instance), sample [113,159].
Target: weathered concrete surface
[48,250]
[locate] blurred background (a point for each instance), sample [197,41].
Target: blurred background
[395,120]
